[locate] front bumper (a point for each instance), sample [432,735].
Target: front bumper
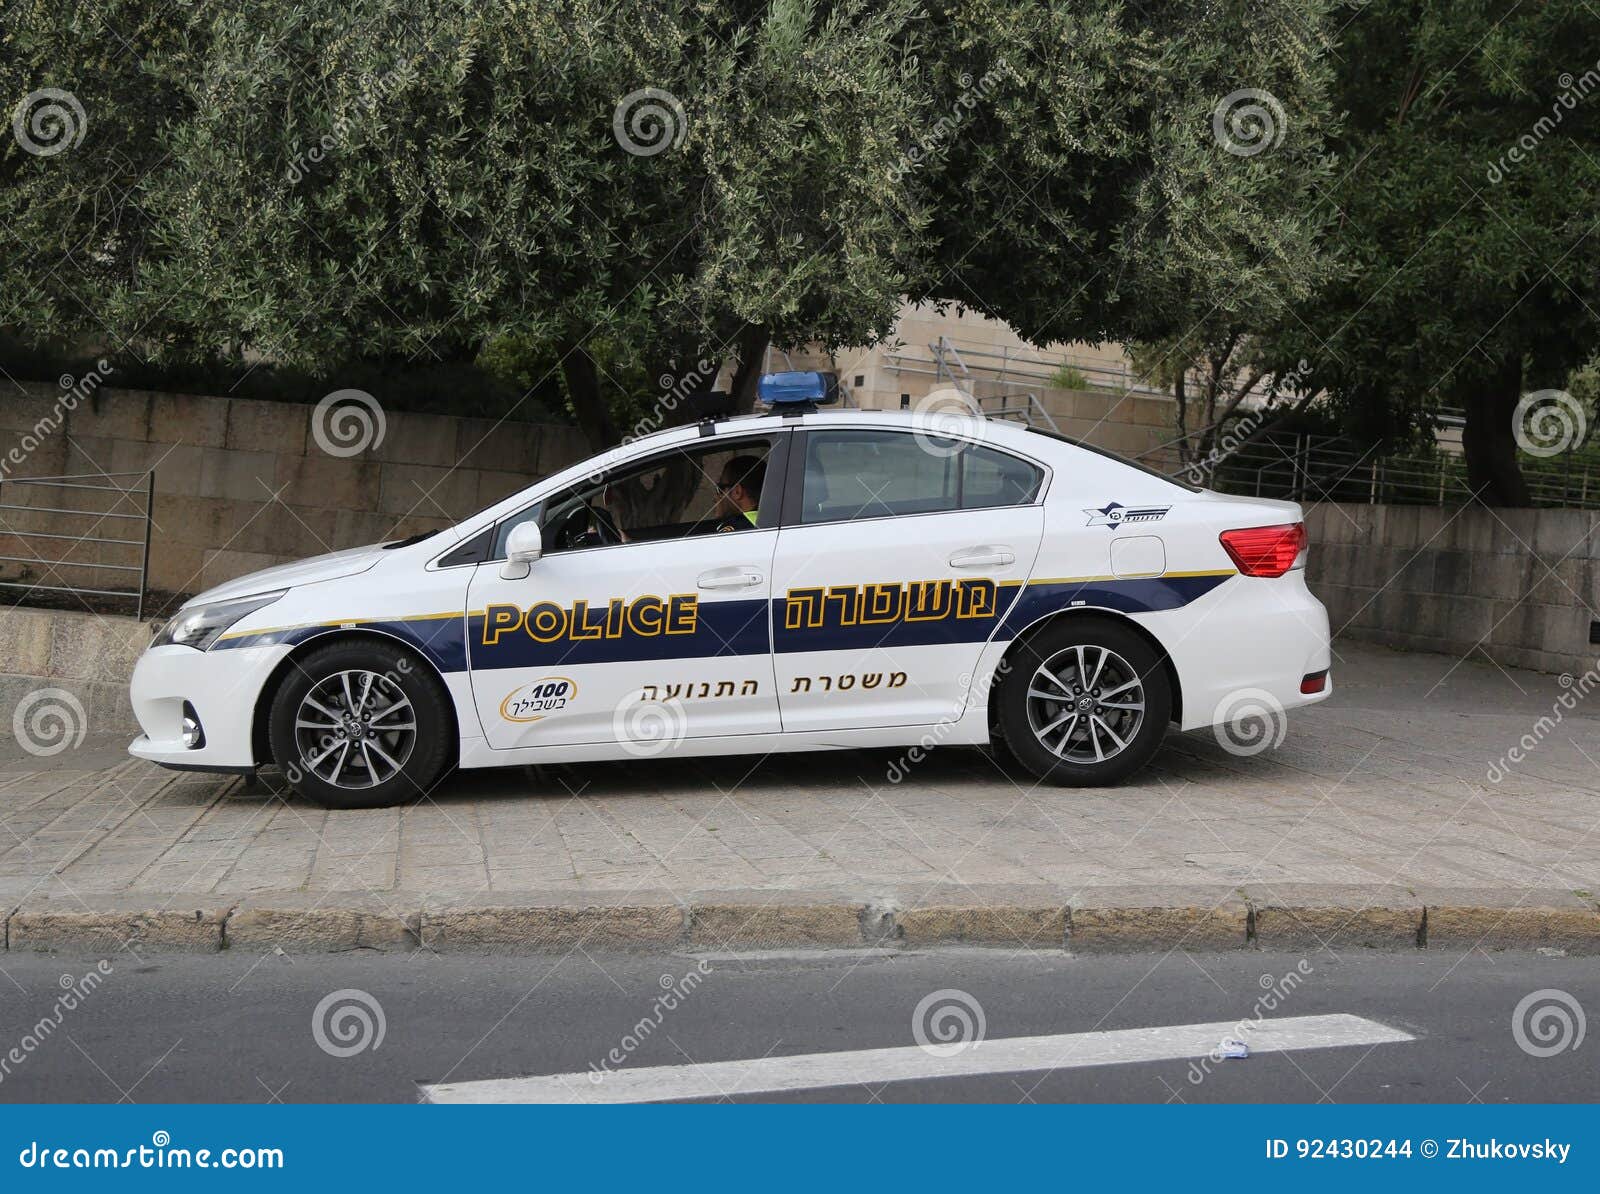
[222,687]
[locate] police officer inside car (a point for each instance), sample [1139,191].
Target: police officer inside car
[739,491]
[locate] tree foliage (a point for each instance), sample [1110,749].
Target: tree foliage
[1469,155]
[440,180]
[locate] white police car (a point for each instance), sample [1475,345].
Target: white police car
[800,580]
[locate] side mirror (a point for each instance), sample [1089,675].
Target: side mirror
[524,546]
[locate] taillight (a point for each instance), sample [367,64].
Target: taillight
[1266,551]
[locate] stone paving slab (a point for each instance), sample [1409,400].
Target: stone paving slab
[1390,816]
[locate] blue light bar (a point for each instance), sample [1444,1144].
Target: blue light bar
[788,389]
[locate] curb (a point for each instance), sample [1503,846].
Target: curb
[171,924]
[1091,920]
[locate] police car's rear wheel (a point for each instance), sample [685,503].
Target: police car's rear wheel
[360,725]
[1084,702]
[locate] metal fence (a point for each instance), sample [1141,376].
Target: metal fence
[85,516]
[1020,367]
[1328,468]
[1024,367]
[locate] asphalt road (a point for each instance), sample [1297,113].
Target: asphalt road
[243,1029]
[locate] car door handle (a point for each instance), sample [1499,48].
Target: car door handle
[987,556]
[730,578]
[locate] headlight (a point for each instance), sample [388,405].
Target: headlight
[203,625]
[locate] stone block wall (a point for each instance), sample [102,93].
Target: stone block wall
[242,484]
[1520,587]
[1126,423]
[89,657]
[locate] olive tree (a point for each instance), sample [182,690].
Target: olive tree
[622,199]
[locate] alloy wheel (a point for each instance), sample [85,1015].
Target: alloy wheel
[1086,704]
[355,729]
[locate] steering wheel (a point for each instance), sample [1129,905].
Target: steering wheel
[586,525]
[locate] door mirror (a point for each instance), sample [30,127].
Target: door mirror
[524,546]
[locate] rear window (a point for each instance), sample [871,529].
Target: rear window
[1110,455]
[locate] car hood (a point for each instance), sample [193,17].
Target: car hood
[301,572]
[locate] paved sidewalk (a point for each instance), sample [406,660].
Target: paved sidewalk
[1376,817]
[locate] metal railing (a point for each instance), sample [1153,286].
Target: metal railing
[1019,405]
[1310,468]
[121,506]
[1016,366]
[1026,366]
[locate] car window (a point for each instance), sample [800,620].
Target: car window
[853,475]
[1169,478]
[991,478]
[685,491]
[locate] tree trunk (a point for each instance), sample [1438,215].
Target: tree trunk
[1488,441]
[588,403]
[1181,397]
[752,345]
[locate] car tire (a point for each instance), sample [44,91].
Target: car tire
[361,725]
[1065,704]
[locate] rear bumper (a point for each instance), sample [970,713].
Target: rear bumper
[1248,642]
[222,688]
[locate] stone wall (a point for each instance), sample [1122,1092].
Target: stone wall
[242,484]
[1124,422]
[1520,587]
[89,657]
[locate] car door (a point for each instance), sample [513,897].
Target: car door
[899,555]
[645,622]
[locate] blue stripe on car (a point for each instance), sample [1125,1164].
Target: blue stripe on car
[731,628]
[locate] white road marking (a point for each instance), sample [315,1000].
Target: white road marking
[841,954]
[1006,1055]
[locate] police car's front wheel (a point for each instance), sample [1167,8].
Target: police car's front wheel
[360,725]
[1084,702]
